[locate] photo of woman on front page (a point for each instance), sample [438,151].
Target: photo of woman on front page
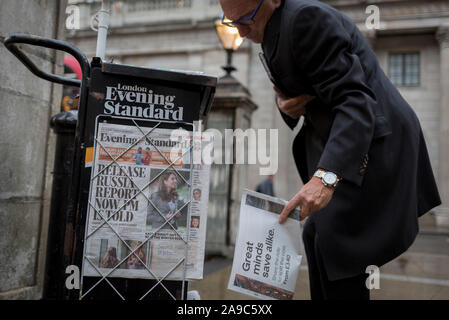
[168,201]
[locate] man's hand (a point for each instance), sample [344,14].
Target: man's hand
[293,107]
[313,196]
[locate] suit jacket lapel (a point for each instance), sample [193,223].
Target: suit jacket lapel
[269,47]
[271,35]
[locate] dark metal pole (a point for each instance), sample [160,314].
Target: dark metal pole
[58,253]
[229,67]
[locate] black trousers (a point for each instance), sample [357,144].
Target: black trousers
[321,288]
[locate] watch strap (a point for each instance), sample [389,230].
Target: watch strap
[320,174]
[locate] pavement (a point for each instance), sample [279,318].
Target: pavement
[421,273]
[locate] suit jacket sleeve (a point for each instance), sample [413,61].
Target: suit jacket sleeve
[322,50]
[288,120]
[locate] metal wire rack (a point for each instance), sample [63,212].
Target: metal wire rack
[141,190]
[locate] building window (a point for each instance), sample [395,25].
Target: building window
[404,68]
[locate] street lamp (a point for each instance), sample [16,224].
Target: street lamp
[231,41]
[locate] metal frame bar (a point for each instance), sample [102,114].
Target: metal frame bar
[170,164]
[11,41]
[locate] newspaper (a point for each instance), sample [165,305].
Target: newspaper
[132,197]
[267,254]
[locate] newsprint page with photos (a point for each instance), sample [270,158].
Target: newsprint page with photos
[267,254]
[132,198]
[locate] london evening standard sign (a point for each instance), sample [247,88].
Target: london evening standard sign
[136,101]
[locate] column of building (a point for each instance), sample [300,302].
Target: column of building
[443,163]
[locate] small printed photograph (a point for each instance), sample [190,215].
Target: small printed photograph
[138,259]
[108,257]
[195,222]
[146,156]
[197,194]
[270,206]
[256,202]
[138,157]
[262,288]
[169,195]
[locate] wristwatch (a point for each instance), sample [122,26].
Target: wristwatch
[328,178]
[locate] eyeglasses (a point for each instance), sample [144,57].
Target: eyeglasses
[247,21]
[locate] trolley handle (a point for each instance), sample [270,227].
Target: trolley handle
[11,41]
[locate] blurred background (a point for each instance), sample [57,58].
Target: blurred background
[411,42]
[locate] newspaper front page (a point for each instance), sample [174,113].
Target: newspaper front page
[138,216]
[267,254]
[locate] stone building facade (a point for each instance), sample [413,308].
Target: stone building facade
[26,105]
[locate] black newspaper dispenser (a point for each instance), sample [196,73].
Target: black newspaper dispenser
[139,97]
[128,96]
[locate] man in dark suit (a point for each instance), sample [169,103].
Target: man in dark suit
[360,152]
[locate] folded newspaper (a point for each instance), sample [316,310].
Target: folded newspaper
[267,254]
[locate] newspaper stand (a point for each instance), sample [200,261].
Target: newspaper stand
[193,91]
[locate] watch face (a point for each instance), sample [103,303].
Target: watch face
[330,178]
